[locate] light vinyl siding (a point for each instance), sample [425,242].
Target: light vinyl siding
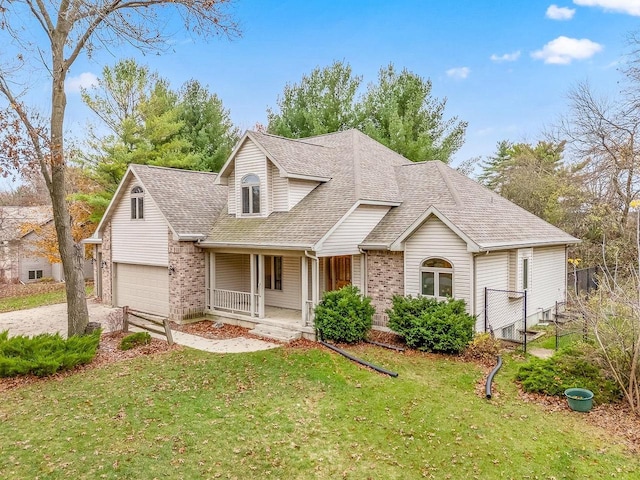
[345,239]
[232,272]
[34,263]
[435,239]
[298,189]
[141,241]
[30,261]
[279,190]
[548,280]
[250,159]
[356,272]
[492,271]
[290,296]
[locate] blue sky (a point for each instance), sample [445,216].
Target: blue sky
[504,66]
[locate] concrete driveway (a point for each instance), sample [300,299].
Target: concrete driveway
[49,319]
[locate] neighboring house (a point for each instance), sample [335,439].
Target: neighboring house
[286,220]
[19,261]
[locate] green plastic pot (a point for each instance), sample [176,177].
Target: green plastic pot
[580,399]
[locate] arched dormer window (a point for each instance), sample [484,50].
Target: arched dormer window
[436,278]
[137,203]
[250,194]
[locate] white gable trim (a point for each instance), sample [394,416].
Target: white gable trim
[116,199]
[318,244]
[398,244]
[283,172]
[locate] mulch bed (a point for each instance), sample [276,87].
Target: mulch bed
[216,331]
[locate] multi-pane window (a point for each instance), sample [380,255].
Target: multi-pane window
[272,272]
[250,194]
[137,203]
[436,275]
[35,274]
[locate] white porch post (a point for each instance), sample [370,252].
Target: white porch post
[252,300]
[260,286]
[305,288]
[211,279]
[315,281]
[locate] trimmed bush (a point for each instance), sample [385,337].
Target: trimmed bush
[344,315]
[429,325]
[45,354]
[135,340]
[569,367]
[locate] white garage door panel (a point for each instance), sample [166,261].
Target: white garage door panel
[142,287]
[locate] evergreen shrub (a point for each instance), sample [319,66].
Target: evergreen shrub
[135,340]
[45,354]
[431,325]
[344,315]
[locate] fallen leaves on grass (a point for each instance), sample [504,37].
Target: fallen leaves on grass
[18,290]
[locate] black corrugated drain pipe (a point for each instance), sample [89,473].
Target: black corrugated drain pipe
[357,360]
[490,377]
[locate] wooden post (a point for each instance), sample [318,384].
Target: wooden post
[167,331]
[125,319]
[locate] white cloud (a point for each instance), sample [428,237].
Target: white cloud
[459,72]
[564,50]
[84,80]
[555,12]
[507,57]
[630,7]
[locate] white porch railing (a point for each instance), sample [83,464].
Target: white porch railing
[232,300]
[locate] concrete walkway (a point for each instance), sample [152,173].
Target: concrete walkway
[231,345]
[53,319]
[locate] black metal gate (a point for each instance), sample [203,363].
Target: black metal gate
[505,314]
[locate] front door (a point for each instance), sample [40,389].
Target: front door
[339,272]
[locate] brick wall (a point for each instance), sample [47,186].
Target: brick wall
[186,280]
[106,267]
[385,278]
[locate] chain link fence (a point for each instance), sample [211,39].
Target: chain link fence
[569,325]
[505,314]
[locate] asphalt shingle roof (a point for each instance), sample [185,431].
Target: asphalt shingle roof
[482,215]
[12,220]
[189,200]
[360,169]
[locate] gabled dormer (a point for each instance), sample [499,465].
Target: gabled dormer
[267,174]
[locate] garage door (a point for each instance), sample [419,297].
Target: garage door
[142,287]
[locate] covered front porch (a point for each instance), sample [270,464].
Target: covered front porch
[279,288]
[282,287]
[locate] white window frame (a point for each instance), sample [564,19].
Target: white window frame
[137,203]
[249,182]
[436,277]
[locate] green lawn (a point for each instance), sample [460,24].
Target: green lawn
[22,302]
[293,414]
